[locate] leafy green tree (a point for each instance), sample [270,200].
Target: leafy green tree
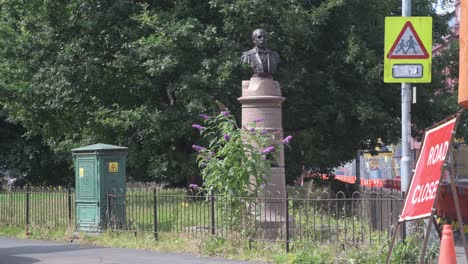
[29,160]
[135,73]
[438,100]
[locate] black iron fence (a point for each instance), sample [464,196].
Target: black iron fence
[38,206]
[363,217]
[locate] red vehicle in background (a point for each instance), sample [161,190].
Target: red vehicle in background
[380,170]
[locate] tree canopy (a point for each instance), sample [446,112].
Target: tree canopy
[138,73]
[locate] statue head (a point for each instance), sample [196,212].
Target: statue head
[263,61]
[259,37]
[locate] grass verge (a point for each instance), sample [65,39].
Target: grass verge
[231,249]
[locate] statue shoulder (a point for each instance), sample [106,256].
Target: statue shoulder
[274,53]
[276,56]
[249,52]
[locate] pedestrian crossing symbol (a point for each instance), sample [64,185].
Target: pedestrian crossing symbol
[408,49]
[408,45]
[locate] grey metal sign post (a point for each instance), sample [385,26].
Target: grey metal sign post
[406,158]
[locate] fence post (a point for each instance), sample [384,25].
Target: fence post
[286,204]
[155,214]
[69,206]
[212,214]
[27,208]
[108,209]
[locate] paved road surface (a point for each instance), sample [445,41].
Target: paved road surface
[459,250]
[22,251]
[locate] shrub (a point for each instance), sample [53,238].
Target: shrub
[236,161]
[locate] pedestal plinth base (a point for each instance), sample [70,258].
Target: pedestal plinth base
[273,214]
[261,100]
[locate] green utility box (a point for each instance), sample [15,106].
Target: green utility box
[99,174]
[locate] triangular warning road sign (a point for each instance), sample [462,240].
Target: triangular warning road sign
[408,45]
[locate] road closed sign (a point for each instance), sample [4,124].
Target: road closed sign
[425,182]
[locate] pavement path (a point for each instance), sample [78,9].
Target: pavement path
[459,250]
[461,259]
[23,251]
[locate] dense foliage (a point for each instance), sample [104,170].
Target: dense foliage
[135,73]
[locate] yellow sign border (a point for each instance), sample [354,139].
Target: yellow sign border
[113,167]
[393,27]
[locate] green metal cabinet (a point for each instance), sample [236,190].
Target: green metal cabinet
[99,171]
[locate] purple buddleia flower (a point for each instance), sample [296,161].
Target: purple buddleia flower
[268,150]
[264,132]
[197,148]
[287,139]
[225,113]
[258,120]
[250,129]
[197,126]
[193,186]
[204,116]
[227,137]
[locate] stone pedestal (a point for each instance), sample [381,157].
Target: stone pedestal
[261,99]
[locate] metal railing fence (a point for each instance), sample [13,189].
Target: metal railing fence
[49,207]
[301,216]
[364,217]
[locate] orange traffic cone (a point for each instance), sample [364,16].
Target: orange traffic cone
[447,247]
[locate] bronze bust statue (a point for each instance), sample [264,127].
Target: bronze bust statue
[263,61]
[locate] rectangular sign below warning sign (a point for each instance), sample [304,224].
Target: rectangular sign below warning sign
[407,71]
[425,182]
